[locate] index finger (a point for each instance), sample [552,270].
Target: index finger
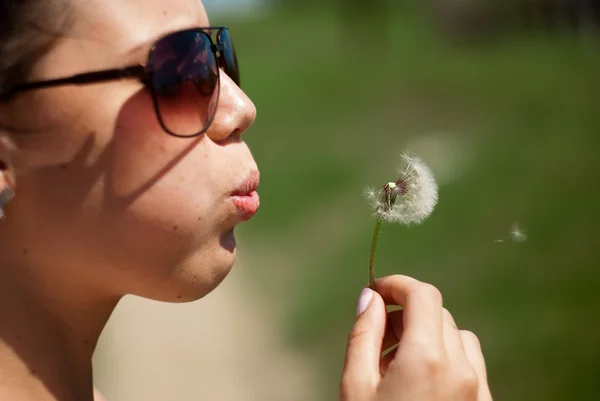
[422,304]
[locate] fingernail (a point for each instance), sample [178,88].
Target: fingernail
[364,300]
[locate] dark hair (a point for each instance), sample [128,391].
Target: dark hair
[28,30]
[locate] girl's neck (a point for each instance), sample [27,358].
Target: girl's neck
[47,339]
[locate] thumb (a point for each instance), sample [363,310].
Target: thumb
[363,353]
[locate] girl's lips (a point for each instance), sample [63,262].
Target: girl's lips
[247,205]
[245,198]
[249,185]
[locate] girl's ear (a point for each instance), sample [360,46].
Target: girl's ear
[7,151]
[7,176]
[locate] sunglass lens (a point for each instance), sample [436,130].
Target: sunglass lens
[185,82]
[229,59]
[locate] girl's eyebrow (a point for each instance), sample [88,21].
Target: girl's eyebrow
[141,50]
[139,53]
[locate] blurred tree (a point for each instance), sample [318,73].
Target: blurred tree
[366,23]
[464,19]
[483,19]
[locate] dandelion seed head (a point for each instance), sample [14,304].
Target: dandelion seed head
[374,198]
[411,198]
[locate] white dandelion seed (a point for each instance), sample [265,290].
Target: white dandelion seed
[517,233]
[411,198]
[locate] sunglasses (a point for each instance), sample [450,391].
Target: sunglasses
[181,74]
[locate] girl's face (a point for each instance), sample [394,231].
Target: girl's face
[106,201]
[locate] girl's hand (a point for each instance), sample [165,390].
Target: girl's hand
[434,360]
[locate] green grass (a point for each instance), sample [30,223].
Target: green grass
[522,120]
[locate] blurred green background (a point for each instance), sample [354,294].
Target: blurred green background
[510,124]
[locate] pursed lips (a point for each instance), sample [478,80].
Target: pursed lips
[245,198]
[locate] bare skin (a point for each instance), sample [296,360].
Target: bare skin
[108,204]
[433,360]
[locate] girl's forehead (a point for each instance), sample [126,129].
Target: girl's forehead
[133,23]
[105,32]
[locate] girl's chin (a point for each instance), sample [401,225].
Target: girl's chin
[194,278]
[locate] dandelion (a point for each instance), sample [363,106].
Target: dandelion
[408,200]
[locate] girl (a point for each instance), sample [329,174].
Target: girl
[121,141]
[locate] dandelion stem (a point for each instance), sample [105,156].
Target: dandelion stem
[373,249]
